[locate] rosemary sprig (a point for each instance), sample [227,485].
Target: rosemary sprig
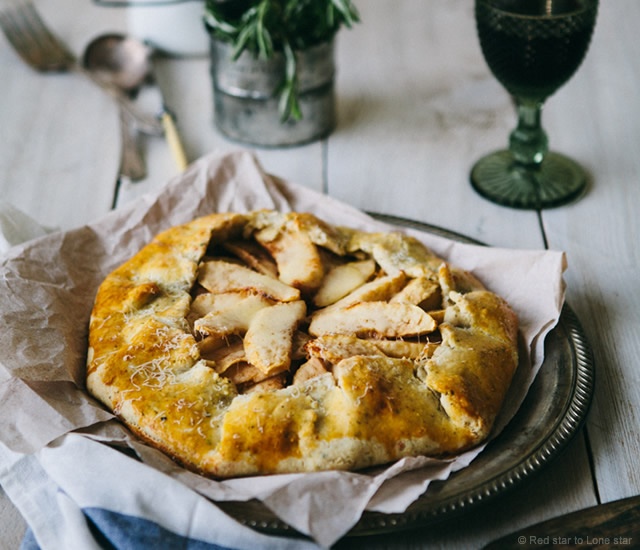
[264,27]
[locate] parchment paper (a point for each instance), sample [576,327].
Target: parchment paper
[47,287]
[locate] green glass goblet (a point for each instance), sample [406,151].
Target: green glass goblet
[532,47]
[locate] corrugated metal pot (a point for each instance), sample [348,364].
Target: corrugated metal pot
[246,95]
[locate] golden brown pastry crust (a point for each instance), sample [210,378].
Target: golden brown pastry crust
[415,359]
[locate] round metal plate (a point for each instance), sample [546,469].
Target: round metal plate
[551,415]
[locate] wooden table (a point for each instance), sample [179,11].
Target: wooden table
[417,105]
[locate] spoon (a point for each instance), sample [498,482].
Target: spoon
[126,63]
[128,81]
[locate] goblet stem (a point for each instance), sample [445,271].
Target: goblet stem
[528,142]
[528,175]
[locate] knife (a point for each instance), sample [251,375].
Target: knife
[152,99]
[612,525]
[173,138]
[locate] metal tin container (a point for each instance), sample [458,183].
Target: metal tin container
[246,95]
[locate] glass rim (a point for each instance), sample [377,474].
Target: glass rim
[586,5]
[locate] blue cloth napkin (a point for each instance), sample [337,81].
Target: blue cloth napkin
[80,494]
[114,531]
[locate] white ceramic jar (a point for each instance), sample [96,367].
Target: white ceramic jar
[172,26]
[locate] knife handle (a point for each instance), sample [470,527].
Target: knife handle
[173,139]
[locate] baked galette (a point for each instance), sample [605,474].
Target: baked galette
[263,342]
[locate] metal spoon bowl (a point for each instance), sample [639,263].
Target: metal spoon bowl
[119,60]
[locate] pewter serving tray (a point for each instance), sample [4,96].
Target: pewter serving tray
[551,415]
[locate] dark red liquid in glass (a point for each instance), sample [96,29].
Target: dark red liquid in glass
[534,46]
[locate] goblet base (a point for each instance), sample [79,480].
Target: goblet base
[558,180]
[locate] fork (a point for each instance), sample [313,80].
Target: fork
[41,49]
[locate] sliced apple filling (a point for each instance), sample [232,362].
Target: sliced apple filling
[277,308]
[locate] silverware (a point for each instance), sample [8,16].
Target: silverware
[109,69]
[126,62]
[132,163]
[42,50]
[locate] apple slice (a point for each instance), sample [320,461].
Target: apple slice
[298,260]
[228,313]
[269,338]
[342,280]
[380,319]
[219,276]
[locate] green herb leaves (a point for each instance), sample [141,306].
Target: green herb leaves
[264,27]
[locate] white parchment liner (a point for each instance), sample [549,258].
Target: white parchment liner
[47,287]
